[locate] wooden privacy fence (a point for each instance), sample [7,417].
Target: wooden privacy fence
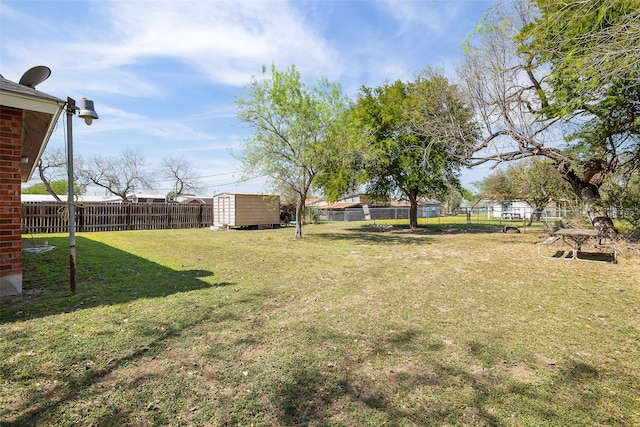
[48,217]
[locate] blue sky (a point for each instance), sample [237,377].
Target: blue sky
[164,74]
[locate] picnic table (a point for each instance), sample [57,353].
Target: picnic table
[511,215]
[576,237]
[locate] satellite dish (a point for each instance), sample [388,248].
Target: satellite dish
[35,75]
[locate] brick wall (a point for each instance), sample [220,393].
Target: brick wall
[10,206]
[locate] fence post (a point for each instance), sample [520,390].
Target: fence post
[80,216]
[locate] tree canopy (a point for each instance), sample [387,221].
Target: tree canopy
[535,99]
[179,171]
[593,50]
[534,181]
[413,137]
[58,186]
[52,169]
[591,45]
[294,129]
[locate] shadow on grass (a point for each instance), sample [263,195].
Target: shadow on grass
[597,256]
[379,236]
[403,234]
[311,394]
[104,276]
[40,405]
[309,397]
[38,409]
[567,254]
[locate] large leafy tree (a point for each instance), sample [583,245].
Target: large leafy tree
[54,188]
[295,128]
[593,49]
[417,133]
[534,181]
[591,45]
[527,110]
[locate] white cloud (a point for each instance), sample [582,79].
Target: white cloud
[423,13]
[163,74]
[228,41]
[153,130]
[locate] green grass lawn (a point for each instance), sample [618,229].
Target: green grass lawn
[354,325]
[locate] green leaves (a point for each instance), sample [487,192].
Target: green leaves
[590,46]
[297,131]
[534,181]
[59,186]
[415,134]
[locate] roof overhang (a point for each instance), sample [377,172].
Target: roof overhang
[340,205]
[40,113]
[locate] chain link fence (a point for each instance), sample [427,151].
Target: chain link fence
[372,214]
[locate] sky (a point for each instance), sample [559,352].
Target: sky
[164,75]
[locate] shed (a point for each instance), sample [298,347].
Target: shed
[245,210]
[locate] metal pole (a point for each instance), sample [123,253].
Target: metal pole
[71,109]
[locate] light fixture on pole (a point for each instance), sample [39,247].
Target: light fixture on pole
[88,114]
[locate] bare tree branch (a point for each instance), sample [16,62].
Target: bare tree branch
[118,175]
[52,166]
[180,171]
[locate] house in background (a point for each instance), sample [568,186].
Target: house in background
[510,210]
[27,120]
[521,210]
[194,200]
[146,198]
[359,207]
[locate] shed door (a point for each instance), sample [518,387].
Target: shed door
[223,214]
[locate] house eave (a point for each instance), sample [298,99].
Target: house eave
[43,104]
[40,113]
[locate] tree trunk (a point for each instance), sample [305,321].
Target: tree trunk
[596,211]
[299,217]
[47,183]
[590,197]
[536,214]
[413,211]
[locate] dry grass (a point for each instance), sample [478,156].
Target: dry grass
[350,326]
